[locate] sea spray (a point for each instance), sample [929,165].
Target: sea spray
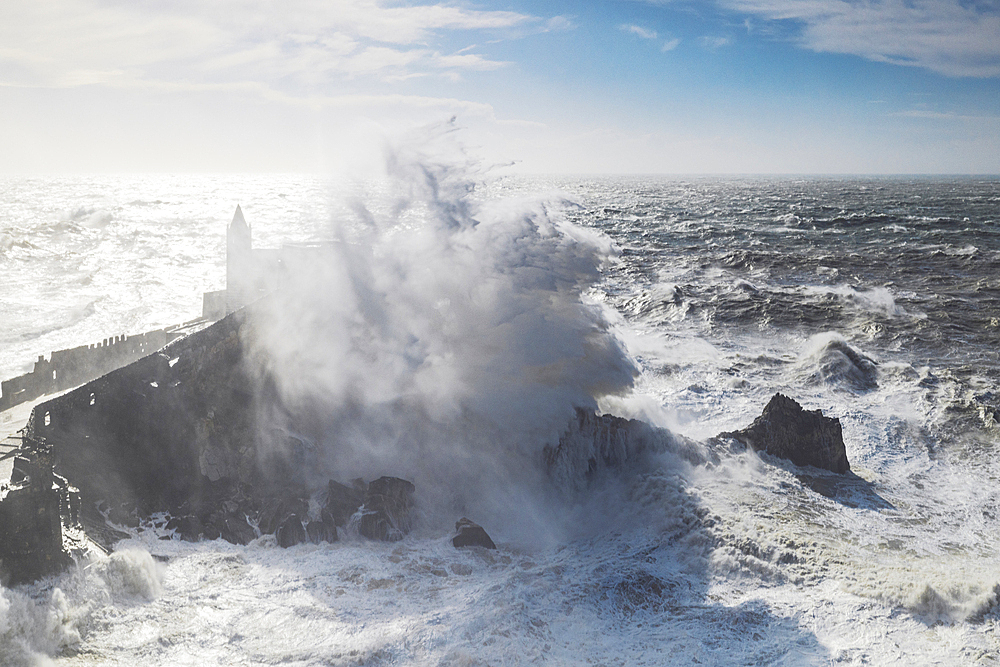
[131,572]
[447,340]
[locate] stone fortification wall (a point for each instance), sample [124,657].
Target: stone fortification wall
[172,428]
[68,368]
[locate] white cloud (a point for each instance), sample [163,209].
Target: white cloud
[943,115]
[952,37]
[299,46]
[670,44]
[559,23]
[638,30]
[714,42]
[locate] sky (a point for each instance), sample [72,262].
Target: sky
[550,86]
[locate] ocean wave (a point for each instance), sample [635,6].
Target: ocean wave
[830,360]
[90,217]
[34,630]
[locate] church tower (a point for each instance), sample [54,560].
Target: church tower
[240,270]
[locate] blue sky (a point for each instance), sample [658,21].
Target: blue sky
[670,86]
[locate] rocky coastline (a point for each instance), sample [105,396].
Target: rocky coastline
[173,441]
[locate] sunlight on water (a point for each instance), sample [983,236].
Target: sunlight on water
[872,301]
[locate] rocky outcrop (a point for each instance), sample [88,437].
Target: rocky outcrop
[471,534]
[343,501]
[382,509]
[321,531]
[33,507]
[291,531]
[593,443]
[838,364]
[385,514]
[804,437]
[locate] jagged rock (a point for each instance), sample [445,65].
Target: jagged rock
[471,534]
[593,443]
[232,527]
[840,364]
[210,531]
[291,532]
[385,514]
[123,516]
[30,521]
[343,501]
[187,527]
[276,511]
[804,437]
[320,531]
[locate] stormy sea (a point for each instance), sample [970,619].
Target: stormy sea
[494,305]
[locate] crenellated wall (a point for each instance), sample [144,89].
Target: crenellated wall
[164,429]
[72,367]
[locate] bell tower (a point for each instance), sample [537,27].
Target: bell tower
[240,272]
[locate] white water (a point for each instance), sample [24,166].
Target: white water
[734,562]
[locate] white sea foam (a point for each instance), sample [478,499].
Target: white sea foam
[448,342]
[744,560]
[876,299]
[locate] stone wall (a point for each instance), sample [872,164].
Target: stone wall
[176,427]
[30,519]
[68,368]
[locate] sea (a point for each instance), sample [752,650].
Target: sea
[497,303]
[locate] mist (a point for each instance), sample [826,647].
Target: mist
[444,337]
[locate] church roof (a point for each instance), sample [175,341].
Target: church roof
[238,220]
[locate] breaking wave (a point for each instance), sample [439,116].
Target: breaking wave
[448,339]
[37,621]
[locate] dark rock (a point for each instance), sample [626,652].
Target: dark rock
[276,511]
[230,524]
[236,530]
[30,519]
[343,501]
[839,364]
[385,514]
[291,532]
[471,534]
[595,443]
[804,437]
[320,531]
[124,516]
[187,527]
[209,531]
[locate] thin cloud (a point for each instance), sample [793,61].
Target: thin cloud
[638,30]
[941,115]
[710,42]
[559,23]
[670,44]
[301,47]
[950,37]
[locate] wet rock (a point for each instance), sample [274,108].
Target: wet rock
[290,532]
[385,514]
[123,515]
[232,527]
[343,501]
[595,443]
[188,528]
[320,531]
[839,364]
[471,534]
[276,511]
[804,437]
[210,531]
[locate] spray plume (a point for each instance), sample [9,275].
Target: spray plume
[445,339]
